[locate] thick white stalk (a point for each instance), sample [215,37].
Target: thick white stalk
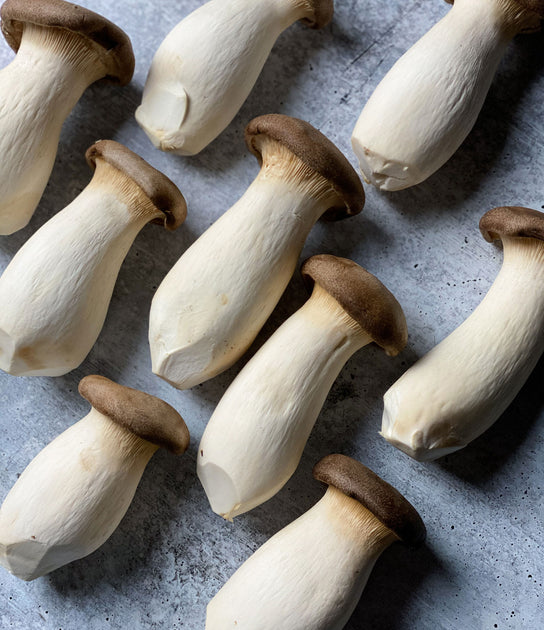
[460,388]
[37,92]
[206,67]
[213,302]
[71,497]
[428,102]
[56,291]
[310,575]
[256,436]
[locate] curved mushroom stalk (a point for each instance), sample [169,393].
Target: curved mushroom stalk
[213,302]
[206,67]
[61,49]
[312,573]
[461,387]
[74,493]
[428,102]
[256,436]
[56,291]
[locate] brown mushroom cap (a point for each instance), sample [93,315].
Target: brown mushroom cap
[535,6]
[323,12]
[148,417]
[71,17]
[362,296]
[387,504]
[512,221]
[162,192]
[317,152]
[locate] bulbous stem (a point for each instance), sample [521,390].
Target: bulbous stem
[206,67]
[311,574]
[426,105]
[38,90]
[57,289]
[213,302]
[460,388]
[71,497]
[256,436]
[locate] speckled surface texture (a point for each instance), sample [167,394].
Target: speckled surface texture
[482,566]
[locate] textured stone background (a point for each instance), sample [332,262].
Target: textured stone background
[482,567]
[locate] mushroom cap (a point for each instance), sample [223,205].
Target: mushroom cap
[512,221]
[362,296]
[323,12]
[535,6]
[162,191]
[72,17]
[148,417]
[385,502]
[316,151]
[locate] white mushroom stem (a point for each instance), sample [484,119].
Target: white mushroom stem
[311,574]
[38,90]
[56,291]
[71,497]
[213,302]
[457,390]
[428,102]
[256,435]
[206,67]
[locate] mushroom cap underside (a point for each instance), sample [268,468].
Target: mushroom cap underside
[160,190]
[146,416]
[533,6]
[385,502]
[71,17]
[513,221]
[364,298]
[317,152]
[323,12]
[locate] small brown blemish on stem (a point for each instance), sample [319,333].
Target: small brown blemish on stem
[27,354]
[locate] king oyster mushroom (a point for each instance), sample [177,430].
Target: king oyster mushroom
[426,105]
[61,49]
[206,67]
[459,389]
[56,291]
[213,302]
[256,435]
[74,493]
[311,574]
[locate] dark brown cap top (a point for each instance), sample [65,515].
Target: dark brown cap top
[144,415]
[512,221]
[387,504]
[72,17]
[317,152]
[162,192]
[323,12]
[362,296]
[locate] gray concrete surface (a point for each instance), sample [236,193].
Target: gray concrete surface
[482,566]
